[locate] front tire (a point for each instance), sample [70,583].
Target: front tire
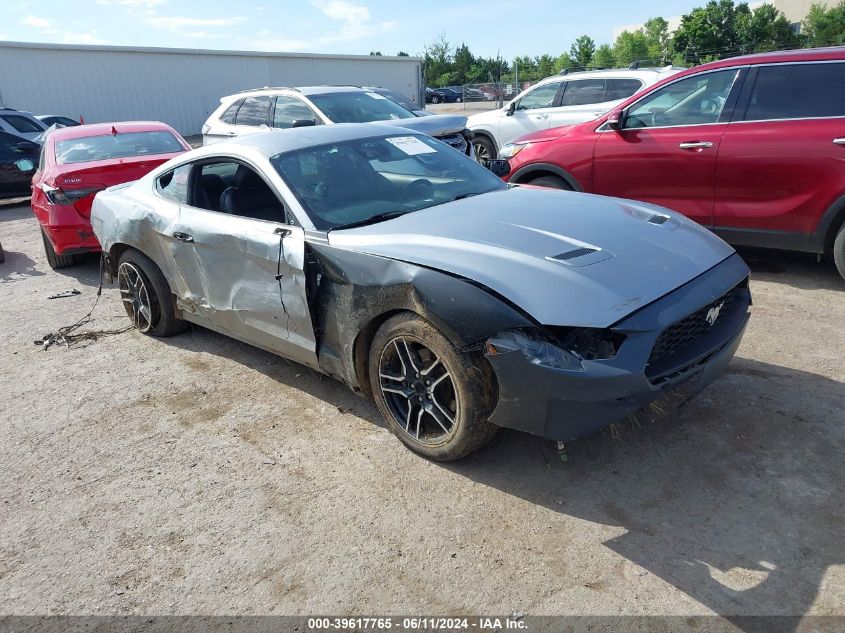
[484,149]
[551,182]
[55,260]
[435,99]
[435,398]
[146,295]
[839,251]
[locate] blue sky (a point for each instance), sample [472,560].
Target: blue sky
[329,26]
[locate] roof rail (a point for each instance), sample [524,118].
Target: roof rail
[266,88]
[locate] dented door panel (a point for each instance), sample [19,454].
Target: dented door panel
[249,280]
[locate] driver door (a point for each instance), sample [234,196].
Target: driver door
[666,151]
[531,112]
[248,262]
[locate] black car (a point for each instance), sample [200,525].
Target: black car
[401,99]
[18,161]
[442,95]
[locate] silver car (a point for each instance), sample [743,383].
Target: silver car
[383,258]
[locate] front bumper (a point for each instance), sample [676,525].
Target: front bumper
[565,404]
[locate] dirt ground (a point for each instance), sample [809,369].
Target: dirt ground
[197,475]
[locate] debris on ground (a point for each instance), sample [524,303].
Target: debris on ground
[66,293]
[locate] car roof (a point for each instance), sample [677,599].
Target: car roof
[613,73]
[303,90]
[830,53]
[101,129]
[275,142]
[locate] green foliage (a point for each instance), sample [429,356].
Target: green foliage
[582,50]
[402,54]
[630,47]
[604,57]
[825,27]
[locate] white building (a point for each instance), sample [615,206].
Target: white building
[180,87]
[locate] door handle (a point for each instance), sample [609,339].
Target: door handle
[541,116]
[839,141]
[183,237]
[696,145]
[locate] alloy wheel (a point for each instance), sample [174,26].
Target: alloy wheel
[134,294]
[481,153]
[418,390]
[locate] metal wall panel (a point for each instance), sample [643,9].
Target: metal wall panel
[178,86]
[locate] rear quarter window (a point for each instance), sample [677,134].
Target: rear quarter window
[253,111]
[798,91]
[230,113]
[622,88]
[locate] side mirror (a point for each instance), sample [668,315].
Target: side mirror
[25,165]
[616,120]
[511,108]
[303,123]
[26,148]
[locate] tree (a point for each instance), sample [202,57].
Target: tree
[437,62]
[707,31]
[656,32]
[630,47]
[763,29]
[376,53]
[582,50]
[545,66]
[825,27]
[563,62]
[604,57]
[402,54]
[462,64]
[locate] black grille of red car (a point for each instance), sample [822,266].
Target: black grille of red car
[680,335]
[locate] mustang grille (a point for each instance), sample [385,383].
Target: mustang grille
[686,331]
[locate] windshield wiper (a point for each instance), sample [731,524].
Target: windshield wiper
[469,194]
[373,219]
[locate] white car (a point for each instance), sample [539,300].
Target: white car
[559,100]
[21,124]
[253,111]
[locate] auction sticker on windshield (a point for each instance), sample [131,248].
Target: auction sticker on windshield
[411,145]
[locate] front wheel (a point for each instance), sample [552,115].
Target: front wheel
[459,100]
[146,295]
[484,149]
[435,99]
[552,182]
[435,398]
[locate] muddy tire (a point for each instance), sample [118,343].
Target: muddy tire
[839,251]
[551,182]
[146,295]
[55,260]
[435,398]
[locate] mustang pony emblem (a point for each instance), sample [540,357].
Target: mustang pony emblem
[713,313]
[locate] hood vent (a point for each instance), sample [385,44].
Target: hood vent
[578,252]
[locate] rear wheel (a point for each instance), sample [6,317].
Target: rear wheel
[435,398]
[55,260]
[146,295]
[839,251]
[552,182]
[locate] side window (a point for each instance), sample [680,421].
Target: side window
[21,123]
[541,97]
[233,188]
[229,114]
[290,109]
[253,111]
[583,92]
[695,100]
[622,88]
[173,184]
[798,91]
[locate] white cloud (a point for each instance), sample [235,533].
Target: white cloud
[199,35]
[36,22]
[356,18]
[178,22]
[72,37]
[133,4]
[264,40]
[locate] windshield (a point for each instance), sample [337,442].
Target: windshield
[90,148]
[352,181]
[359,107]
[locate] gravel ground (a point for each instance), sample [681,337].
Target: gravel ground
[197,475]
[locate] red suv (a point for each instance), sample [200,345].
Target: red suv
[77,162]
[752,147]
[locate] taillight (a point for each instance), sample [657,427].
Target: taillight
[57,195]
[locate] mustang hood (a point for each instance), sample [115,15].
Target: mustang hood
[565,258]
[434,125]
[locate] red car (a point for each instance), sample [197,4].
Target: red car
[77,162]
[752,147]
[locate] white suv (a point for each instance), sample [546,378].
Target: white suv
[252,111]
[559,100]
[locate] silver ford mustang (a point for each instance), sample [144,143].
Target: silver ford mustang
[384,258]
